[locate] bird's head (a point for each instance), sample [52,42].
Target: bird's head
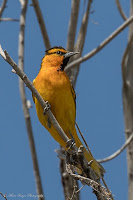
[57,57]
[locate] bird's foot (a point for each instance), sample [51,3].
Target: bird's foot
[90,163]
[70,143]
[47,107]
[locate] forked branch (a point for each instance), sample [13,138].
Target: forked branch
[101,45]
[99,190]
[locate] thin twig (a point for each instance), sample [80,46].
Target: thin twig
[73,73]
[80,189]
[9,20]
[101,45]
[121,10]
[41,23]
[118,151]
[82,136]
[3,6]
[96,186]
[82,32]
[24,101]
[4,196]
[73,24]
[74,190]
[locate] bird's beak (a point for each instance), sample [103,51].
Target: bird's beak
[69,54]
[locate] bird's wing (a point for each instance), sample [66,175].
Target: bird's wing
[74,95]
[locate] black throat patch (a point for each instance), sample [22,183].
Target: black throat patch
[64,64]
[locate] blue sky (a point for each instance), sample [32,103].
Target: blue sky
[99,99]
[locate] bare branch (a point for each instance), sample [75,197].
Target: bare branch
[68,183]
[4,196]
[41,24]
[130,43]
[101,45]
[120,10]
[97,187]
[82,33]
[74,191]
[114,155]
[127,73]
[3,6]
[73,24]
[82,136]
[73,73]
[8,20]
[24,101]
[77,191]
[21,34]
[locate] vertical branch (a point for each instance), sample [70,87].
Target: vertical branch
[127,74]
[68,183]
[73,73]
[83,29]
[3,6]
[41,24]
[73,24]
[24,101]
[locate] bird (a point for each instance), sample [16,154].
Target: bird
[54,86]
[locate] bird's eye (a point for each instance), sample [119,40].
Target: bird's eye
[59,52]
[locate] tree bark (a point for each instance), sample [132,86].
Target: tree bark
[127,71]
[69,183]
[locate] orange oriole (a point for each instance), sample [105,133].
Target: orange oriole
[54,86]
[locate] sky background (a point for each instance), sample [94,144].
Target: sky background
[99,99]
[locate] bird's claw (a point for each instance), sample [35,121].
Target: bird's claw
[90,163]
[70,143]
[47,107]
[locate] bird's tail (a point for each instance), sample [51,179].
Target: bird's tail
[98,169]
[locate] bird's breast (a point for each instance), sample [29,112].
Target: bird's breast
[55,87]
[52,82]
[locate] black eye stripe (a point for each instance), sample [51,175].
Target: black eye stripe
[56,52]
[60,53]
